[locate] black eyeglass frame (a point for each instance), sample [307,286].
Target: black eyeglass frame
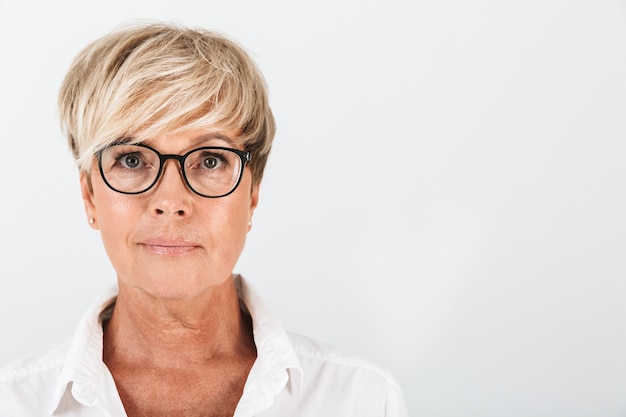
[245,157]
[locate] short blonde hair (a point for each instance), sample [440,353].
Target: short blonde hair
[143,80]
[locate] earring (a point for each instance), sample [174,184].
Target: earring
[92,220]
[249,224]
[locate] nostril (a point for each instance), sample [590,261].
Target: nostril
[179,213]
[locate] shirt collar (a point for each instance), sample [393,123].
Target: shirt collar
[277,365]
[272,341]
[83,368]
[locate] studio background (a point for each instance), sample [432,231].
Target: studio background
[445,196]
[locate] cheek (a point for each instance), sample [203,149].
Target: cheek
[230,223]
[110,204]
[116,209]
[228,218]
[117,215]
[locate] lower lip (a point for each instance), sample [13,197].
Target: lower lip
[170,250]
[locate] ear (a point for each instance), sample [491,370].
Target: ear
[254,200]
[254,197]
[90,206]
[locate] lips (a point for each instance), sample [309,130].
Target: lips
[169,247]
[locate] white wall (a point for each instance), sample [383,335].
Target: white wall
[446,195]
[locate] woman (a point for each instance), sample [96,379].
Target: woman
[171,129]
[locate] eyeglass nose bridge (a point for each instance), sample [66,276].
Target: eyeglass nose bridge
[181,168]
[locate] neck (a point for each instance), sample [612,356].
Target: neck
[167,333]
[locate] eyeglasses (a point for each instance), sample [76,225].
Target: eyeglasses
[210,171]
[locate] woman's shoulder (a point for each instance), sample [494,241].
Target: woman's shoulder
[27,384]
[314,351]
[50,358]
[338,382]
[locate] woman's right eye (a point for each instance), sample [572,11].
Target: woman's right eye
[129,161]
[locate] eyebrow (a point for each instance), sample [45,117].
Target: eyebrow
[212,136]
[197,141]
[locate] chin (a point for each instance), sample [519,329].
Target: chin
[178,286]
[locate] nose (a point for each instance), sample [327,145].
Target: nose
[171,196]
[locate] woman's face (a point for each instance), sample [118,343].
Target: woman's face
[169,241]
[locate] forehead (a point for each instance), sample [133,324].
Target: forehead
[179,142]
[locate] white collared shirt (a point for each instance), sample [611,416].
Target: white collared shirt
[292,375]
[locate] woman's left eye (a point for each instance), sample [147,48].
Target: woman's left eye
[130,161]
[211,162]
